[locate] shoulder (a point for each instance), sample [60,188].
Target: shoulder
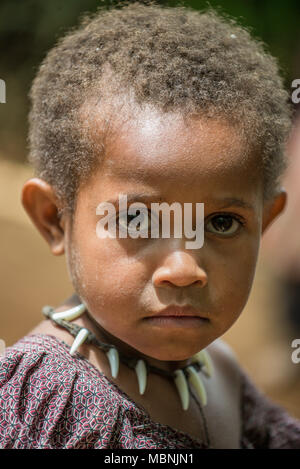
[224,391]
[224,358]
[48,400]
[264,423]
[222,349]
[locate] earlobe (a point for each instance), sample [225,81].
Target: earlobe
[274,208]
[41,204]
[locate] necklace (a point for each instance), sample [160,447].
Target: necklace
[183,377]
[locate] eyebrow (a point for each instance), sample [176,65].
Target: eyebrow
[234,202]
[144,197]
[137,197]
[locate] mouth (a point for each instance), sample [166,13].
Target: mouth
[180,312]
[178,316]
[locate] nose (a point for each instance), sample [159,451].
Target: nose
[180,269]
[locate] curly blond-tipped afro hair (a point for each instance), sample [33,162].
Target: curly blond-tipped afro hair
[174,58]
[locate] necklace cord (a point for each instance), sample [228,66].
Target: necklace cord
[208,442]
[48,311]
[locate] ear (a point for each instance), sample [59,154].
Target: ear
[42,206]
[274,208]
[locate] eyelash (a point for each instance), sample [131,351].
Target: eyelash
[239,219]
[133,216]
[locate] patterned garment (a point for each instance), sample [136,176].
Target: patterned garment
[51,400]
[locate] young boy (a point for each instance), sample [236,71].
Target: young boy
[161,105]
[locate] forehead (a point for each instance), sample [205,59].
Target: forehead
[152,147]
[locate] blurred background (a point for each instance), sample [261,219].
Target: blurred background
[30,277]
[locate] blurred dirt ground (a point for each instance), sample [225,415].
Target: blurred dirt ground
[31,277]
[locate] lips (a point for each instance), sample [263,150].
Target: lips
[179,311]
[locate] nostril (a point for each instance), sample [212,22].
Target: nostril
[166,282]
[199,282]
[181,283]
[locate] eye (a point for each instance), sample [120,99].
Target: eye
[224,224]
[124,220]
[141,225]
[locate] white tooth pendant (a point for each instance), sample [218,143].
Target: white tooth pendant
[70,314]
[141,373]
[204,358]
[113,358]
[196,381]
[182,388]
[79,339]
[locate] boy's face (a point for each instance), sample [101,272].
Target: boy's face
[124,281]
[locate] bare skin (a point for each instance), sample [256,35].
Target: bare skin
[124,281]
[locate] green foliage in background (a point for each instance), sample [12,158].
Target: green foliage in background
[29,28]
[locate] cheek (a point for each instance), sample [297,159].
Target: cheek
[234,279]
[105,275]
